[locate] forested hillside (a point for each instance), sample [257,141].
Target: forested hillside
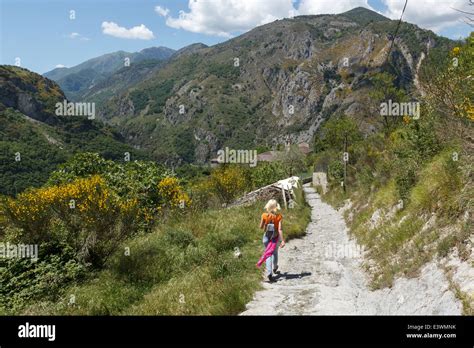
[34,140]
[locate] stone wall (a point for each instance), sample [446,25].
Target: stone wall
[320,180]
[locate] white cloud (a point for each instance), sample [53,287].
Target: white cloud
[313,7]
[78,36]
[162,11]
[140,32]
[227,17]
[224,17]
[429,14]
[60,66]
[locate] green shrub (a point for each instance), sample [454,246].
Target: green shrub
[439,187]
[226,71]
[267,173]
[25,281]
[405,179]
[139,99]
[336,171]
[159,94]
[203,195]
[180,238]
[226,240]
[184,145]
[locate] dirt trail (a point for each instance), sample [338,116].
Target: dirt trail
[321,275]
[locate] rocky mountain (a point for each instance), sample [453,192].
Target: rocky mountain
[78,80]
[34,140]
[276,81]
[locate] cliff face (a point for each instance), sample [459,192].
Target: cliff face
[278,80]
[29,93]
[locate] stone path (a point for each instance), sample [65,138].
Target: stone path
[321,275]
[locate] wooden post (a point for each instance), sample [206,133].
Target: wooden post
[345,162]
[284,196]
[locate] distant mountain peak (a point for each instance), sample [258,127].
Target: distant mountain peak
[77,80]
[190,49]
[164,50]
[363,15]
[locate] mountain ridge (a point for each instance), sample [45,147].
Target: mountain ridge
[294,63]
[297,62]
[78,79]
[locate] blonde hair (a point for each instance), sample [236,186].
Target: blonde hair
[272,206]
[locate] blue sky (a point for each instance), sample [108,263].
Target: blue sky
[42,35]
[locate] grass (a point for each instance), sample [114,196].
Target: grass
[389,247]
[335,195]
[439,186]
[466,299]
[185,267]
[386,196]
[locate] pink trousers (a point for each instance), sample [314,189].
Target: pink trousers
[272,244]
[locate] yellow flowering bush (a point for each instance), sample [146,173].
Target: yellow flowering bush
[172,194]
[93,215]
[470,112]
[448,83]
[465,108]
[229,181]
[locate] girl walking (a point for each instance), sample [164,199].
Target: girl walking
[271,223]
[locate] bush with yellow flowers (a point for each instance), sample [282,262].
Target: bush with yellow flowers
[228,182]
[157,191]
[95,218]
[447,80]
[172,196]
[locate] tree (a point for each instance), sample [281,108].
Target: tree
[338,130]
[447,81]
[293,160]
[184,144]
[383,91]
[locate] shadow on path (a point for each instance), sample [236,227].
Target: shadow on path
[287,276]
